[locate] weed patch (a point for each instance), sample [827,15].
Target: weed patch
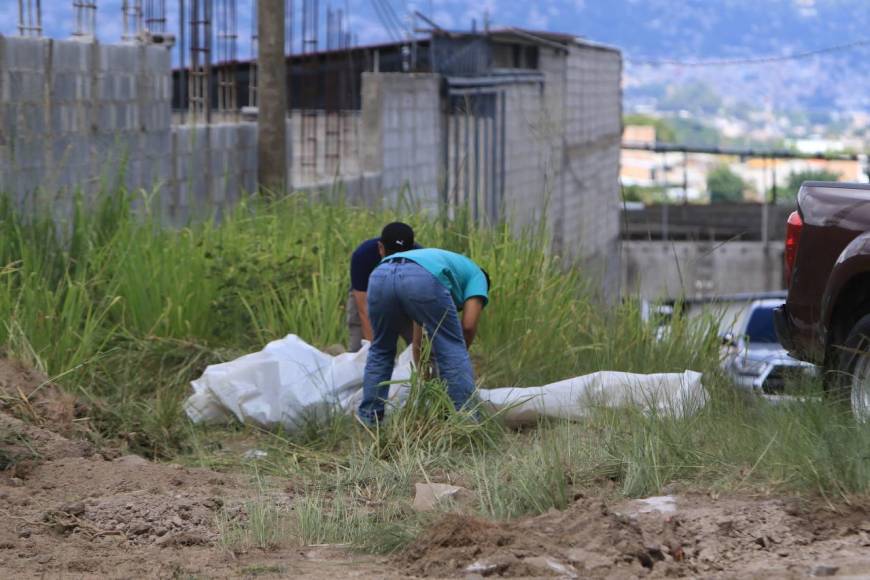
[124,313]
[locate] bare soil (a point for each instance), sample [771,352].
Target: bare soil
[69,511]
[710,538]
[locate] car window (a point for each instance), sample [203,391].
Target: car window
[760,327]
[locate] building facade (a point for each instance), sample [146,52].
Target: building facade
[508,125]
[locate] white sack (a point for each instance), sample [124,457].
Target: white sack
[287,383]
[669,393]
[290,382]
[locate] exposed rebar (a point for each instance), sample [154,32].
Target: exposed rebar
[182,59]
[288,27]
[252,75]
[131,11]
[310,25]
[155,16]
[200,60]
[227,40]
[85,12]
[308,126]
[30,17]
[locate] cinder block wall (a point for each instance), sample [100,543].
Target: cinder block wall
[89,117]
[81,116]
[213,166]
[402,124]
[562,154]
[529,179]
[674,269]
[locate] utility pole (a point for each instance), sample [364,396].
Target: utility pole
[272,99]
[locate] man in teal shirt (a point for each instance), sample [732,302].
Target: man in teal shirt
[429,287]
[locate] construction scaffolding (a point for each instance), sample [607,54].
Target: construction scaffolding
[227,41]
[309,114]
[199,80]
[252,66]
[131,14]
[85,12]
[288,27]
[155,16]
[30,17]
[332,94]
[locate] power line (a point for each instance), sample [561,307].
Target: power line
[737,152]
[751,60]
[388,25]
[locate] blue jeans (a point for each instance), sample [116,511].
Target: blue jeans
[400,292]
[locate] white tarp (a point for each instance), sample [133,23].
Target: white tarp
[290,382]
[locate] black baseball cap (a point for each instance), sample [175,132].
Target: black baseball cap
[397,237]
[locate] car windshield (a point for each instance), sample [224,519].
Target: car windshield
[760,328]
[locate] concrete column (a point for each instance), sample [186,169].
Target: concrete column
[371,122]
[272,98]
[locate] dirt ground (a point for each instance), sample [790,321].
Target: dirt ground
[702,537]
[67,511]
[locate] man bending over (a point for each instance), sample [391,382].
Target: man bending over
[429,287]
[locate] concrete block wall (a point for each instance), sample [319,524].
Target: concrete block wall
[327,144]
[593,94]
[529,174]
[402,121]
[673,269]
[213,167]
[593,97]
[25,120]
[583,95]
[90,116]
[562,154]
[80,116]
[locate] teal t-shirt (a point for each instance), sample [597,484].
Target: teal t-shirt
[461,276]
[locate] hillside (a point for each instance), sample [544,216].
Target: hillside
[694,30]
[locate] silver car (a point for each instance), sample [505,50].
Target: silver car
[751,352]
[753,356]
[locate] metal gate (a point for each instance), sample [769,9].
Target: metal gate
[475,153]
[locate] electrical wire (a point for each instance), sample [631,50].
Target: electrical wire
[750,60]
[385,21]
[394,18]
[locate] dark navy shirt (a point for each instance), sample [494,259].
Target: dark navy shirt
[363,262]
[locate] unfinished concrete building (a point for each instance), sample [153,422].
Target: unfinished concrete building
[509,124]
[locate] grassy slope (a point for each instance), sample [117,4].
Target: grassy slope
[125,313]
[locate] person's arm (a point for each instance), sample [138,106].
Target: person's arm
[470,317]
[363,309]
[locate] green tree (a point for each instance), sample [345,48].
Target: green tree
[724,185]
[664,131]
[648,194]
[694,132]
[788,194]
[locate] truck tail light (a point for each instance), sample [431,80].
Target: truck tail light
[792,239]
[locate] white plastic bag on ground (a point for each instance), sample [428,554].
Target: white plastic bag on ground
[290,383]
[287,383]
[670,393]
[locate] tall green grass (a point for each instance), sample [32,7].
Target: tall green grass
[125,312]
[128,311]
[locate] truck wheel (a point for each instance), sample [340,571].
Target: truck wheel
[853,368]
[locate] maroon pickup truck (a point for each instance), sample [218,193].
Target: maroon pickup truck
[826,317]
